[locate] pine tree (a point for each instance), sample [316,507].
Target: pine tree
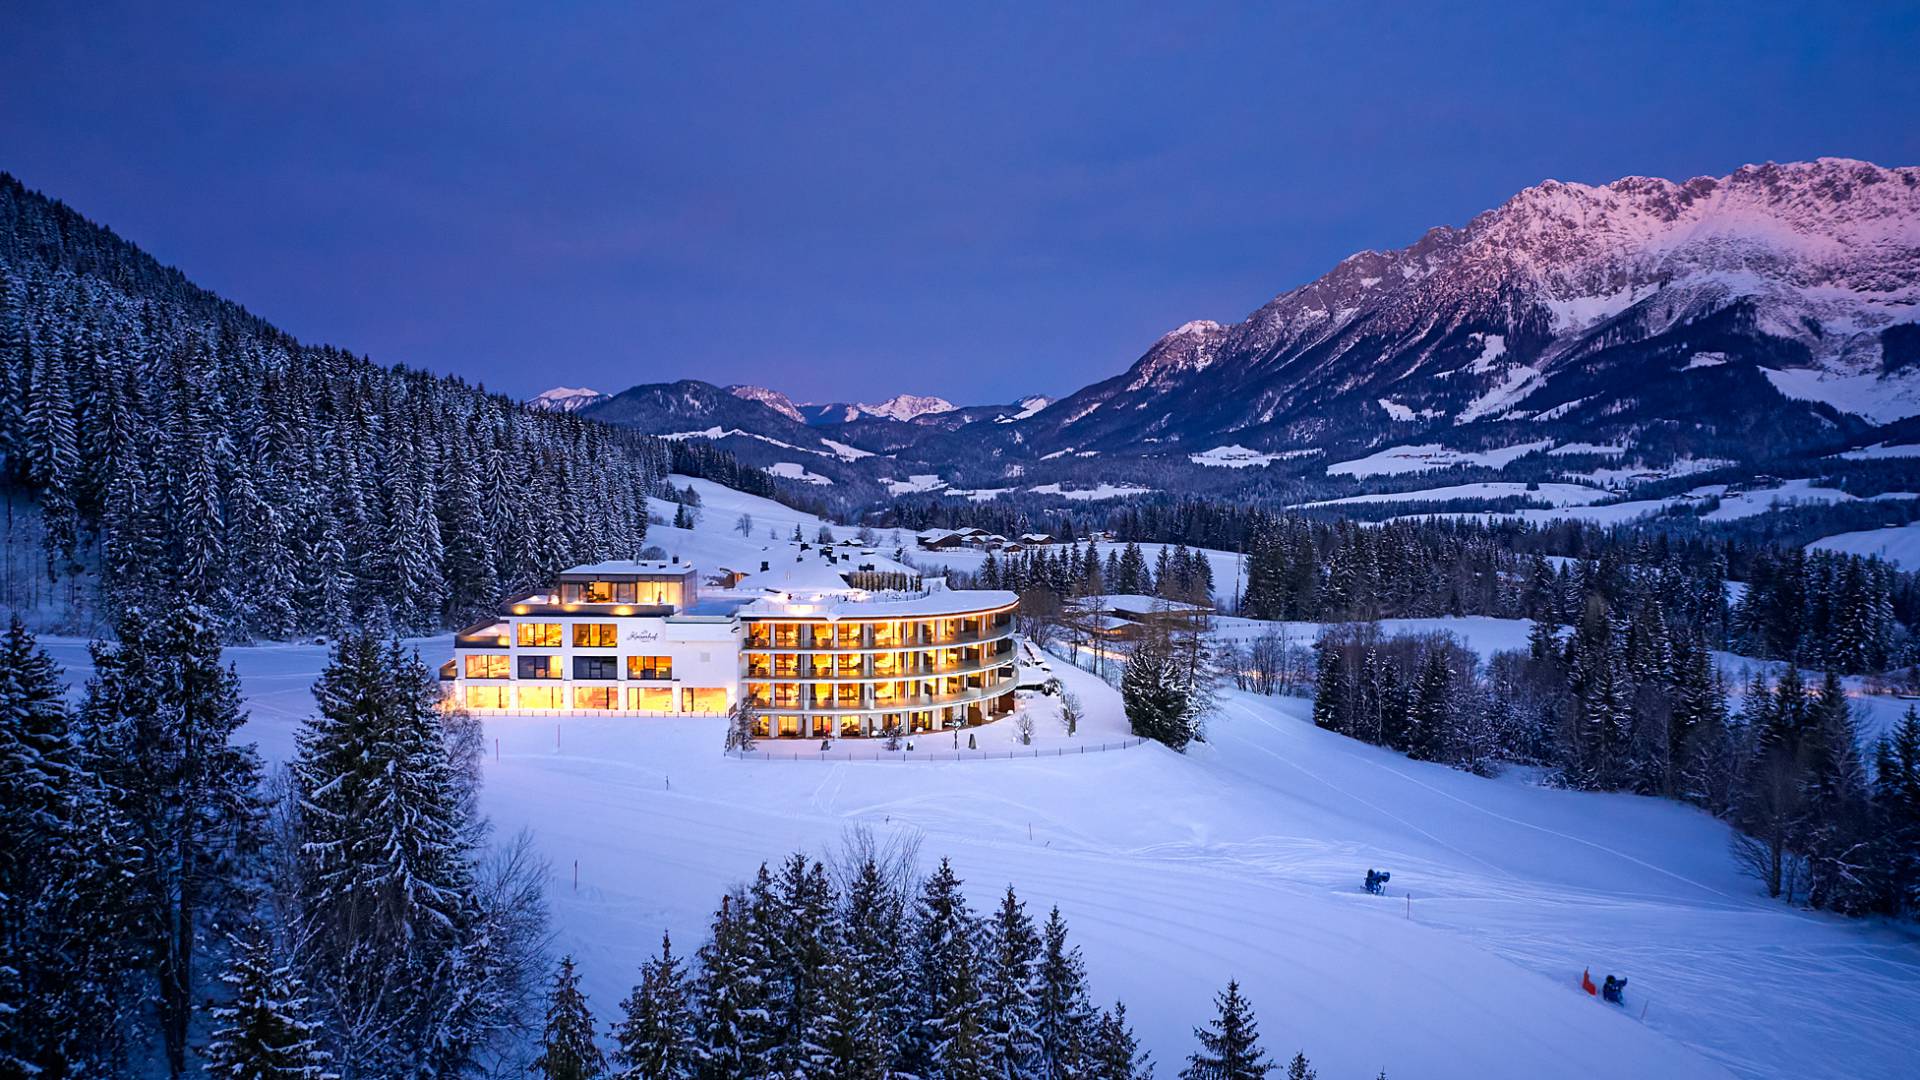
[1117,1054]
[1331,708]
[1896,815]
[1300,1069]
[1009,977]
[567,1049]
[66,946]
[730,997]
[159,718]
[943,956]
[1063,1011]
[265,1031]
[874,972]
[655,1035]
[386,881]
[1230,1043]
[1158,702]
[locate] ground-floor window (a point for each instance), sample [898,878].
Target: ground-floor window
[540,697]
[823,726]
[489,697]
[653,699]
[701,699]
[761,726]
[596,697]
[851,725]
[790,725]
[923,721]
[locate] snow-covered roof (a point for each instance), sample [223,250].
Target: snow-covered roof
[851,605]
[807,573]
[1135,604]
[629,566]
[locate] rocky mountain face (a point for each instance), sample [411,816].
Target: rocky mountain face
[1770,309]
[1770,314]
[772,399]
[565,399]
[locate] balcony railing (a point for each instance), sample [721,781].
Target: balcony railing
[910,703]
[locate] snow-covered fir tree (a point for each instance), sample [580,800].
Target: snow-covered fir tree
[567,1047]
[1230,1043]
[654,1037]
[416,955]
[158,722]
[265,1029]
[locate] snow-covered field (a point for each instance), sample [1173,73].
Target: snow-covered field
[1240,859]
[1551,494]
[1897,544]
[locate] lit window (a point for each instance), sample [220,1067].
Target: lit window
[539,697]
[596,697]
[595,635]
[649,667]
[650,699]
[703,700]
[489,697]
[543,635]
[489,667]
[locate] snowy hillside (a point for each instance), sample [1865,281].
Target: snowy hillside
[1249,867]
[1899,545]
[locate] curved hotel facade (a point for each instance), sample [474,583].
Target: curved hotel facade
[815,656]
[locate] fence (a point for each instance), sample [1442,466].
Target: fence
[904,755]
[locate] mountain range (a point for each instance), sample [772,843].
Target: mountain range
[1764,314]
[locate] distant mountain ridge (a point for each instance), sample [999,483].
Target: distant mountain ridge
[1767,314]
[1569,305]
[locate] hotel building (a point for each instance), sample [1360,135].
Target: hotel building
[814,654]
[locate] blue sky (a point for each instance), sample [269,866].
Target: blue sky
[847,201]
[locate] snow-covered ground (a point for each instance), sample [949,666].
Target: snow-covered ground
[1241,859]
[1551,494]
[1897,544]
[1395,460]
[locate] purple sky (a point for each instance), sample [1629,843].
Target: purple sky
[845,201]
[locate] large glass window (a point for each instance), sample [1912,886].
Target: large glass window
[539,635]
[711,700]
[538,667]
[489,667]
[786,635]
[649,667]
[596,697]
[595,635]
[595,667]
[652,699]
[489,697]
[539,697]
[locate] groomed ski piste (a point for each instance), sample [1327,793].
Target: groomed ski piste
[1242,858]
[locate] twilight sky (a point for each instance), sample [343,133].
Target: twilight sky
[847,201]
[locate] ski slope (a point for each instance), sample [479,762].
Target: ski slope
[1240,859]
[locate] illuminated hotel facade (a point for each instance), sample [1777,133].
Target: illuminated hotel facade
[816,657]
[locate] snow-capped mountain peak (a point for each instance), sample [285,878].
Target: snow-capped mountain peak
[772,399]
[908,406]
[565,399]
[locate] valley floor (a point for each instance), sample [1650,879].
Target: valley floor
[1242,858]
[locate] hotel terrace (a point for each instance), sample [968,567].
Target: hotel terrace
[815,655]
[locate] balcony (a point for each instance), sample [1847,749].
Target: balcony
[910,703]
